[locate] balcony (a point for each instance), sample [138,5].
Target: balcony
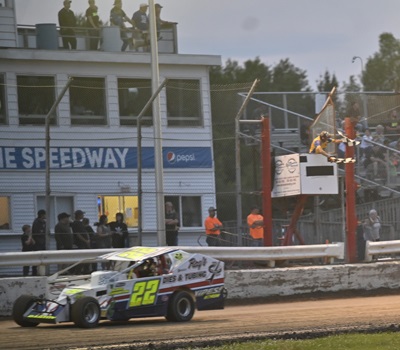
[28,38]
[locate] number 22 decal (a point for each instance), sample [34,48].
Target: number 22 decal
[144,293]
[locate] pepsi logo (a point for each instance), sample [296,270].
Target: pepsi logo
[171,157]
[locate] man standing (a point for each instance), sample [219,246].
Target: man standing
[140,19]
[39,230]
[171,224]
[213,228]
[67,22]
[119,232]
[93,24]
[255,221]
[63,232]
[81,237]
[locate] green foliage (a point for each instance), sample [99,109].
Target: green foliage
[382,72]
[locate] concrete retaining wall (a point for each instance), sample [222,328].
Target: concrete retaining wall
[12,288]
[257,283]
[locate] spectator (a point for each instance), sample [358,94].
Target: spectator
[91,233]
[140,19]
[119,232]
[355,115]
[39,230]
[93,23]
[118,18]
[63,232]
[255,221]
[392,127]
[103,237]
[81,237]
[159,22]
[375,163]
[372,226]
[365,145]
[378,136]
[28,245]
[213,228]
[67,22]
[171,224]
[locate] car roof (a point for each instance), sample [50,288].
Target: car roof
[138,253]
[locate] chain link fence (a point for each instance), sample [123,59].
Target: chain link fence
[98,103]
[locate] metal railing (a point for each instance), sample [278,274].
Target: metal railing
[378,249]
[268,254]
[27,38]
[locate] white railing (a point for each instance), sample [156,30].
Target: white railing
[381,248]
[268,254]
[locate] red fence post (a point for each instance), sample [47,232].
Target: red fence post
[266,180]
[351,216]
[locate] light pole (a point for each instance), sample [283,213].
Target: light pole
[362,64]
[364,96]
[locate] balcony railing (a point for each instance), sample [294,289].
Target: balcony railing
[167,43]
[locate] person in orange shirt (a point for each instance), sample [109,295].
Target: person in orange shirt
[256,225]
[213,228]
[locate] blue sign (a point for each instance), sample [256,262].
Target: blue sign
[34,158]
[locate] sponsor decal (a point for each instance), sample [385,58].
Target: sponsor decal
[34,158]
[292,165]
[197,264]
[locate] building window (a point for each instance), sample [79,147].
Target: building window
[3,116]
[58,204]
[87,101]
[111,205]
[188,209]
[133,95]
[5,213]
[184,103]
[36,96]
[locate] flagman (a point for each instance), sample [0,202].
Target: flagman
[320,143]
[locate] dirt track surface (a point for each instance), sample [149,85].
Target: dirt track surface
[284,319]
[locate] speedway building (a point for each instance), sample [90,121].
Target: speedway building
[93,133]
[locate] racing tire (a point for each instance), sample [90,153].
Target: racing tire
[85,312]
[181,307]
[21,305]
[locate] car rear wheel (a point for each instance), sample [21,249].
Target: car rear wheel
[21,305]
[181,307]
[86,312]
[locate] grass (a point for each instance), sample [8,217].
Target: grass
[381,341]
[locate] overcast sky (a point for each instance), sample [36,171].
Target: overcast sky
[316,35]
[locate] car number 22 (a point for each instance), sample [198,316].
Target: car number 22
[144,293]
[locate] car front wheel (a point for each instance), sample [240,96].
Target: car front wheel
[21,305]
[86,312]
[181,307]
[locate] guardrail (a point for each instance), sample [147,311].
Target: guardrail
[381,248]
[268,254]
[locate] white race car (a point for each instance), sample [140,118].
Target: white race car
[141,282]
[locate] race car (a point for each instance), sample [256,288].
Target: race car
[141,282]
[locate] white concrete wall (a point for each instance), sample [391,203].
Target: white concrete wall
[257,283]
[304,280]
[12,288]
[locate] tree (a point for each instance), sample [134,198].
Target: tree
[226,84]
[327,82]
[382,71]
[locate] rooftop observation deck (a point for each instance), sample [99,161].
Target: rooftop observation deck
[47,35]
[33,37]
